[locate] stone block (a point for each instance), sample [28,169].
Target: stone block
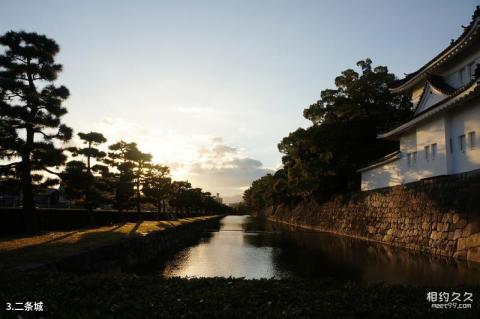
[461,223]
[471,228]
[446,227]
[460,254]
[461,243]
[455,218]
[450,235]
[473,240]
[450,246]
[473,254]
[457,234]
[446,218]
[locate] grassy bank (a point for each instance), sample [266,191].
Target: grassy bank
[131,296]
[45,247]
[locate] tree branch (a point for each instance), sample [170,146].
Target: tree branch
[51,172]
[9,165]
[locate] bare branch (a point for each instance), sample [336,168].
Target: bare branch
[50,171]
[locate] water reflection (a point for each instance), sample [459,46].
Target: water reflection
[251,248]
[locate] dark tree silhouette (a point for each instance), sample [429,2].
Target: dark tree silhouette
[91,140]
[157,185]
[119,157]
[31,110]
[83,182]
[140,161]
[179,195]
[323,159]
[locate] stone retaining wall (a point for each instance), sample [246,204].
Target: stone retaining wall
[440,216]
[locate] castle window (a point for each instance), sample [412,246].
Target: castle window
[471,139]
[427,153]
[471,70]
[460,75]
[433,149]
[462,143]
[411,159]
[451,145]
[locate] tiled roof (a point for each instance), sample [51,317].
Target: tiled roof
[453,99]
[383,160]
[438,83]
[424,69]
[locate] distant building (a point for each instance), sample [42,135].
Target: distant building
[10,200]
[44,198]
[442,137]
[218,198]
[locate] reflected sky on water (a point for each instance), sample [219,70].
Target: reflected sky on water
[243,246]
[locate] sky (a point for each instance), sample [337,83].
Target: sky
[211,87]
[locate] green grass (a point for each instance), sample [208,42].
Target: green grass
[17,251]
[130,296]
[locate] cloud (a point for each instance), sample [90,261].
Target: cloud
[193,110]
[204,160]
[222,168]
[120,129]
[218,151]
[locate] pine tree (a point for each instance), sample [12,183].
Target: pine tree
[84,182]
[179,195]
[119,157]
[141,162]
[91,140]
[157,185]
[31,110]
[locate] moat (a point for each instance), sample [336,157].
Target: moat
[242,246]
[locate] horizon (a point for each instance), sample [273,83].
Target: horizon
[198,86]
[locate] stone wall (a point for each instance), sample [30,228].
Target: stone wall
[440,216]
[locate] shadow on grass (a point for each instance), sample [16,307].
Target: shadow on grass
[135,228]
[56,248]
[81,240]
[166,223]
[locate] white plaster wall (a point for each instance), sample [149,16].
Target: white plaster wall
[408,142]
[382,176]
[431,97]
[451,73]
[417,93]
[459,121]
[427,134]
[398,172]
[462,121]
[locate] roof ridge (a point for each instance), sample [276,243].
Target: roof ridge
[439,83]
[399,82]
[472,83]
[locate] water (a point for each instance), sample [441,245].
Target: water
[243,246]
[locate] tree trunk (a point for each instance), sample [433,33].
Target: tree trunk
[138,190]
[29,214]
[88,156]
